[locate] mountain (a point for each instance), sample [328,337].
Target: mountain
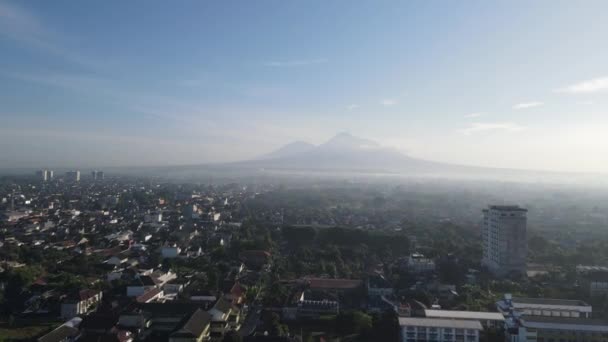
[343,152]
[293,148]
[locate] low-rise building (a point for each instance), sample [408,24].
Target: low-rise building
[487,319]
[79,303]
[195,329]
[414,329]
[556,329]
[548,307]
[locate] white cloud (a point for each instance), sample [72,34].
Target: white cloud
[479,127]
[352,106]
[589,86]
[295,62]
[388,102]
[526,105]
[474,115]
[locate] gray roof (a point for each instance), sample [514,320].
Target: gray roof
[549,301]
[440,323]
[566,323]
[475,315]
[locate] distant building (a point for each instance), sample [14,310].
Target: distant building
[547,307]
[414,329]
[44,175]
[97,175]
[504,239]
[594,278]
[417,263]
[72,176]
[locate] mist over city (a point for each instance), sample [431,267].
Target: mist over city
[303,171]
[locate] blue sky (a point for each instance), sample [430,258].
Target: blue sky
[520,84]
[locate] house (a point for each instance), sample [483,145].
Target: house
[175,286]
[141,285]
[149,296]
[79,303]
[66,332]
[195,329]
[224,316]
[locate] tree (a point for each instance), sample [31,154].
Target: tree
[386,326]
[353,322]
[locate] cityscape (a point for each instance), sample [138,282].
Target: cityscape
[303,171]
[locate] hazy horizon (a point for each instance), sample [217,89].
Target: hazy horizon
[513,84]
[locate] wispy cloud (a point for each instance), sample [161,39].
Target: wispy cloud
[19,25]
[388,102]
[474,115]
[585,87]
[352,106]
[295,63]
[526,105]
[479,127]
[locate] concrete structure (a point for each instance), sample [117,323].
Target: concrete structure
[97,175]
[417,263]
[504,239]
[414,329]
[487,319]
[547,307]
[43,175]
[79,303]
[72,176]
[556,329]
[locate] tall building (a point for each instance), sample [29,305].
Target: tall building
[42,175]
[97,175]
[504,239]
[72,176]
[50,174]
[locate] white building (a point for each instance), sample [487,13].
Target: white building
[504,239]
[72,176]
[97,175]
[487,319]
[414,329]
[548,307]
[43,175]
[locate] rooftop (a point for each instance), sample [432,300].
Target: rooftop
[475,315]
[548,301]
[566,323]
[440,323]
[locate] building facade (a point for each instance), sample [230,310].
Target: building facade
[415,329]
[504,239]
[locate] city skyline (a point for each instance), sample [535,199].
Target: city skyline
[508,84]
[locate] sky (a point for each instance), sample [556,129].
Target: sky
[515,84]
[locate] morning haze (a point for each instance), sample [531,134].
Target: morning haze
[515,85]
[303,171]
